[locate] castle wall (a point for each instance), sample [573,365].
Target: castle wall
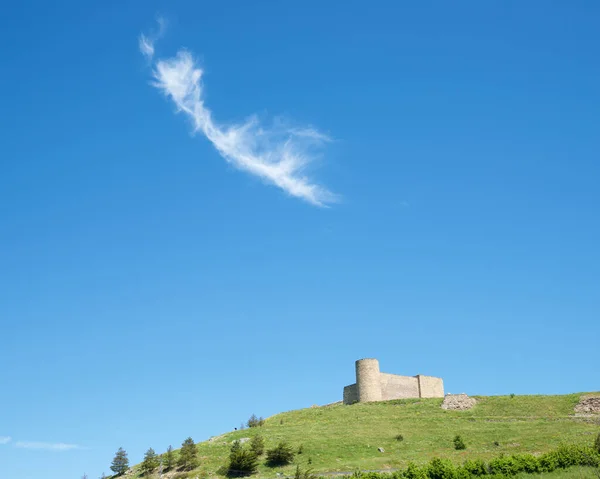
[350,394]
[397,387]
[373,385]
[430,387]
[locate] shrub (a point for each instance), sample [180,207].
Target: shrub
[526,463]
[512,396]
[280,455]
[503,465]
[399,437]
[459,444]
[441,469]
[257,445]
[304,474]
[496,443]
[475,467]
[300,449]
[415,472]
[548,461]
[597,443]
[242,462]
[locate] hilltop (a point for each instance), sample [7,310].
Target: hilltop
[339,438]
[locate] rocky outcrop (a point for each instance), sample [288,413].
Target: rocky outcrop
[588,405]
[458,402]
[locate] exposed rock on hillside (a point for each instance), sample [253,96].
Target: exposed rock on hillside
[588,404]
[458,402]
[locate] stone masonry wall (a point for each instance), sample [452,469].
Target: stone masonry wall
[394,387]
[350,394]
[430,387]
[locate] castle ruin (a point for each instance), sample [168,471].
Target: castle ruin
[373,385]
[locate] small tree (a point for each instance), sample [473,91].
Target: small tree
[150,462]
[242,461]
[169,458]
[280,455]
[120,463]
[459,444]
[255,421]
[257,445]
[188,454]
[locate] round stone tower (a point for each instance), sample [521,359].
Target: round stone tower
[368,382]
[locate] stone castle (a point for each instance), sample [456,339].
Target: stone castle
[373,385]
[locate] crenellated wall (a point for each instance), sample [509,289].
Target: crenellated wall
[373,385]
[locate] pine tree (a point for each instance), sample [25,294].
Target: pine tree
[188,454]
[242,461]
[280,455]
[169,458]
[120,463]
[257,445]
[150,462]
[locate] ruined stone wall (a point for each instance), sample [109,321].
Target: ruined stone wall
[373,385]
[350,394]
[396,387]
[430,387]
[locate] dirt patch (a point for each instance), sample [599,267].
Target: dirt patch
[458,402]
[588,405]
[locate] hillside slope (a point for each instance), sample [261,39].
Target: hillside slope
[343,438]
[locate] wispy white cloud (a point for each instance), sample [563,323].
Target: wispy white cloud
[146,42]
[146,46]
[47,446]
[279,155]
[5,439]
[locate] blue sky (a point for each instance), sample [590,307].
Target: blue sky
[417,183]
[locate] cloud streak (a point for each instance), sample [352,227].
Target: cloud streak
[5,439]
[279,155]
[47,446]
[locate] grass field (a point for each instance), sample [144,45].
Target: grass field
[571,473]
[345,438]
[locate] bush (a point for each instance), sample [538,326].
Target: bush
[597,443]
[459,444]
[304,474]
[503,465]
[415,472]
[526,463]
[475,467]
[399,437]
[257,445]
[441,469]
[548,462]
[300,449]
[280,455]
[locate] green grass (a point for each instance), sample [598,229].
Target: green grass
[345,438]
[571,473]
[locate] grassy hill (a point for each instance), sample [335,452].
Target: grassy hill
[344,438]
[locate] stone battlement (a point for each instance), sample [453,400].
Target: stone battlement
[372,385]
